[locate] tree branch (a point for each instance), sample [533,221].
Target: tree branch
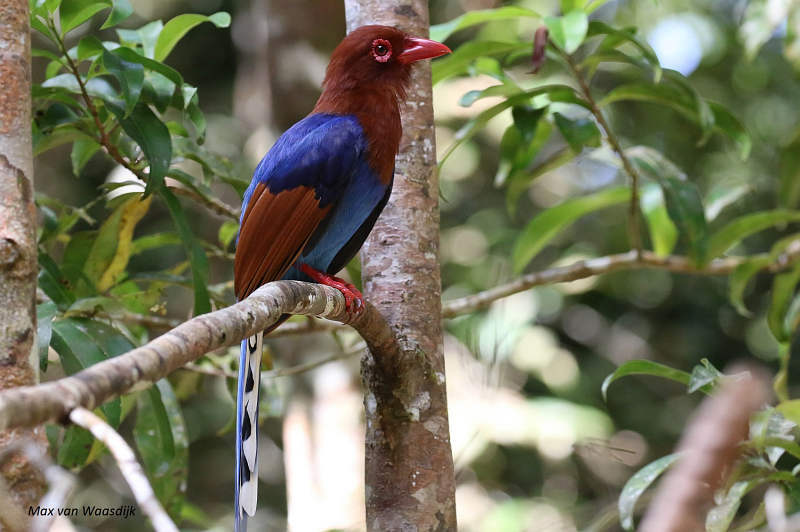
[53,401]
[610,263]
[128,466]
[212,204]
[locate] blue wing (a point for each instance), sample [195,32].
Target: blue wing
[295,187]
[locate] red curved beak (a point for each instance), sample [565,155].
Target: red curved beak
[416,49]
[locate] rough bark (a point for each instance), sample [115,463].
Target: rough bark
[53,401]
[409,466]
[18,264]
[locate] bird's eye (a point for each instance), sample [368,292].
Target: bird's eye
[381,50]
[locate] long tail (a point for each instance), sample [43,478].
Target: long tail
[247,430]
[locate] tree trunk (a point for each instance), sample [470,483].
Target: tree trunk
[18,262]
[409,465]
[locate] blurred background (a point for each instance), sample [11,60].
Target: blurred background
[536,447]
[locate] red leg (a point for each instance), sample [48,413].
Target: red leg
[354,300]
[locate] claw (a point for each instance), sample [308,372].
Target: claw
[353,298]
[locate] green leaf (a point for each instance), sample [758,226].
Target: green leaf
[767,428]
[194,250]
[505,89]
[95,87]
[578,133]
[746,225]
[74,450]
[175,29]
[615,37]
[440,32]
[55,137]
[569,31]
[81,343]
[704,375]
[145,128]
[547,224]
[158,240]
[722,195]
[460,60]
[53,282]
[684,205]
[783,288]
[44,330]
[645,367]
[82,150]
[474,125]
[160,435]
[689,106]
[227,232]
[554,93]
[720,517]
[43,7]
[89,47]
[38,24]
[725,122]
[73,13]
[704,115]
[198,119]
[131,56]
[739,278]
[122,9]
[129,75]
[686,209]
[637,485]
[521,142]
[147,36]
[104,246]
[663,232]
[790,410]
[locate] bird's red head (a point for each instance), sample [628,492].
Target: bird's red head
[380,55]
[367,78]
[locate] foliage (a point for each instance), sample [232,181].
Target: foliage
[556,124]
[118,97]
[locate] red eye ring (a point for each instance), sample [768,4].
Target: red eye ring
[381,50]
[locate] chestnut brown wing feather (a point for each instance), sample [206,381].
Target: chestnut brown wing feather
[275,229]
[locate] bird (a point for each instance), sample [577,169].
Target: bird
[315,197]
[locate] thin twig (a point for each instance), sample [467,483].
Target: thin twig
[633,214]
[128,466]
[151,321]
[610,263]
[213,204]
[104,139]
[280,372]
[308,366]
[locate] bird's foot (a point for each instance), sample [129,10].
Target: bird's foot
[353,298]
